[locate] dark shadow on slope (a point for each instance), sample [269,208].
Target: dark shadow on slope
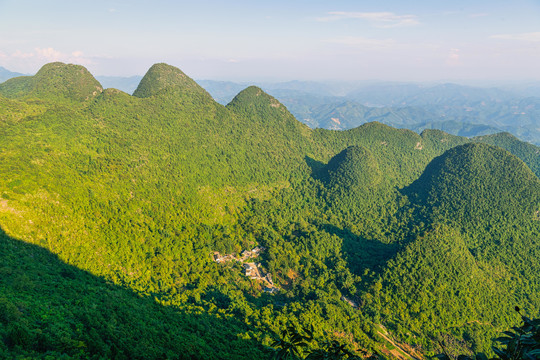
[49,308]
[363,254]
[315,166]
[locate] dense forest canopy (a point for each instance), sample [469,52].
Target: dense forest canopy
[126,221]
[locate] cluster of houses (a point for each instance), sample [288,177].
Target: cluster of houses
[251,269]
[246,254]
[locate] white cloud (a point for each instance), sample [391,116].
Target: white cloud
[453,58]
[527,37]
[49,54]
[380,19]
[22,55]
[29,61]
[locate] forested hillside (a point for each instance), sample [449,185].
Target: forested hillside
[126,217]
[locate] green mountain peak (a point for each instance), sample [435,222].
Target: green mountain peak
[258,107]
[353,168]
[163,76]
[52,81]
[254,95]
[475,182]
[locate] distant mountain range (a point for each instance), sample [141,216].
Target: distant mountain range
[126,84]
[457,109]
[5,74]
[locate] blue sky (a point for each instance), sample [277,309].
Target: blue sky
[279,40]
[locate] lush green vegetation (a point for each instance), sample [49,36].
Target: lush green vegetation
[163,77]
[518,343]
[51,310]
[55,81]
[363,229]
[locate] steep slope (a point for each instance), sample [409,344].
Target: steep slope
[16,87]
[477,183]
[477,255]
[357,190]
[54,81]
[258,107]
[490,260]
[271,132]
[163,163]
[530,154]
[436,290]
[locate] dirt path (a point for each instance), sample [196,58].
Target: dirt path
[398,352]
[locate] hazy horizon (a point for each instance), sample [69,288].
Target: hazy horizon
[481,83]
[460,42]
